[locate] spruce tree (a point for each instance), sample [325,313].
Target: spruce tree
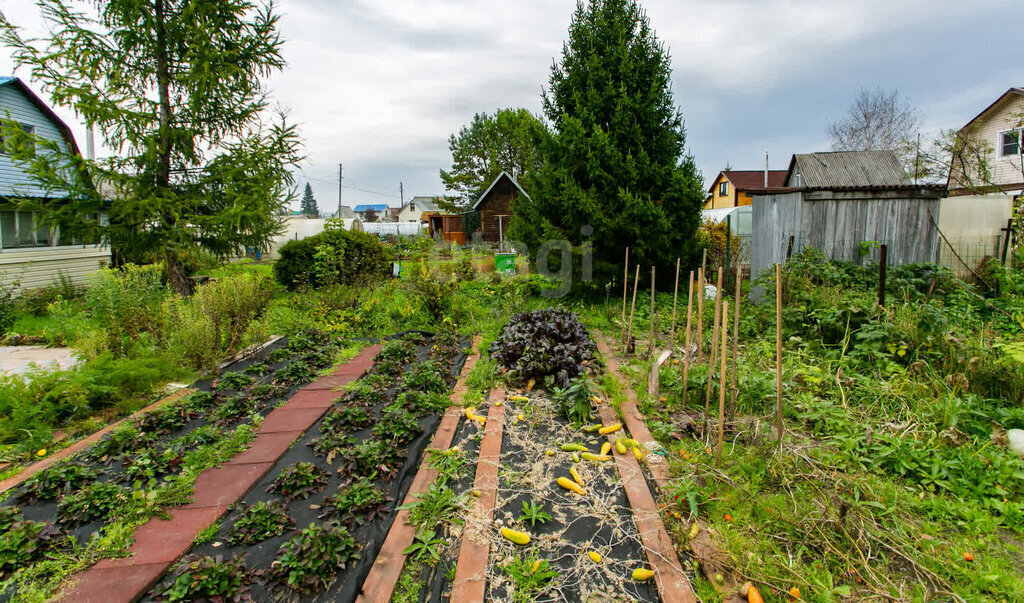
[175,87]
[616,158]
[309,206]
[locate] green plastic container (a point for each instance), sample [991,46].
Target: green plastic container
[505,262]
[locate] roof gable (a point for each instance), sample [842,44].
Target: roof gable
[750,179]
[45,109]
[996,105]
[503,174]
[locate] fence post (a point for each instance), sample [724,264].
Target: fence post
[881,275]
[789,248]
[1006,238]
[728,240]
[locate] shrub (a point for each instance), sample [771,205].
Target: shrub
[8,307]
[308,562]
[544,344]
[127,304]
[335,256]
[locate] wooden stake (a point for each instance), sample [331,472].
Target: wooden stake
[721,380]
[735,392]
[778,353]
[650,337]
[689,318]
[632,309]
[675,297]
[714,351]
[625,289]
[700,316]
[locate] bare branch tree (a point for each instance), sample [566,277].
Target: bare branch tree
[878,120]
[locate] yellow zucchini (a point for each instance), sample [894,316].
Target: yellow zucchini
[587,456]
[641,574]
[620,447]
[519,538]
[610,429]
[570,485]
[595,556]
[576,476]
[606,448]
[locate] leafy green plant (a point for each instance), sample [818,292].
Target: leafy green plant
[234,380]
[534,513]
[22,542]
[235,409]
[396,424]
[58,480]
[425,547]
[372,458]
[165,420]
[299,481]
[425,377]
[530,576]
[99,500]
[439,504]
[296,372]
[346,419]
[355,504]
[575,401]
[257,369]
[260,521]
[205,578]
[268,391]
[309,561]
[448,463]
[144,466]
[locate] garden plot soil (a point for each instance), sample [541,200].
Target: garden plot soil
[274,374]
[345,585]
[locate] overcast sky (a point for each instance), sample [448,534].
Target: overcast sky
[379,85]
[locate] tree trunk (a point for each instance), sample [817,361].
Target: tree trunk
[163,85]
[176,273]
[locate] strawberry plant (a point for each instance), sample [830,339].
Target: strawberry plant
[396,424]
[259,522]
[200,401]
[280,355]
[234,380]
[256,369]
[235,409]
[22,542]
[372,458]
[119,442]
[146,465]
[355,504]
[268,391]
[296,372]
[425,377]
[331,444]
[165,420]
[95,501]
[58,480]
[209,579]
[347,419]
[299,481]
[309,561]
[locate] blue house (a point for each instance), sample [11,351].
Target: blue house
[31,254]
[380,210]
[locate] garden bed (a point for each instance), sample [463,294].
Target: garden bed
[311,528]
[60,514]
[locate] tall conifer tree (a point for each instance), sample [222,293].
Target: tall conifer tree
[309,206]
[616,158]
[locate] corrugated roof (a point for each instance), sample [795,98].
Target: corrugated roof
[374,206]
[748,179]
[848,169]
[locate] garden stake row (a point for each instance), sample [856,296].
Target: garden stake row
[675,298]
[721,383]
[650,336]
[735,346]
[778,353]
[632,309]
[689,317]
[700,315]
[714,354]
[625,289]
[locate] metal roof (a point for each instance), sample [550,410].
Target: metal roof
[374,206]
[848,169]
[748,179]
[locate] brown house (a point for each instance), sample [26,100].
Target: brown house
[495,207]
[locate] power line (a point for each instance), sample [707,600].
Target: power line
[349,186]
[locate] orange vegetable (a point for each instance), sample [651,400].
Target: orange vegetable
[968,557]
[794,594]
[728,517]
[753,595]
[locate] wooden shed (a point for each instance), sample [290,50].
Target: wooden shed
[846,204]
[495,207]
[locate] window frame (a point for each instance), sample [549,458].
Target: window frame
[1002,146]
[29,129]
[723,188]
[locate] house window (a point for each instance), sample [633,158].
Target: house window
[723,189]
[23,229]
[31,144]
[1009,143]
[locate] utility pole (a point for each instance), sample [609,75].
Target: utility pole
[401,193]
[338,215]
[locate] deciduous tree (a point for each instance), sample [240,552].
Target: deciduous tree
[878,120]
[175,88]
[506,141]
[615,161]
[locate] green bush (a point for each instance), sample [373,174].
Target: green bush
[8,307]
[127,303]
[335,256]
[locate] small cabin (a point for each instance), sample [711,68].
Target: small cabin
[495,207]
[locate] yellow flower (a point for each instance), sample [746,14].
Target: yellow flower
[42,452]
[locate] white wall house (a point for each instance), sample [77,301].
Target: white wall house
[413,210]
[974,215]
[30,254]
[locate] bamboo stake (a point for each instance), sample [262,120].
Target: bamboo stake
[700,316]
[721,380]
[625,289]
[689,318]
[632,309]
[778,353]
[714,351]
[735,344]
[650,337]
[675,297]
